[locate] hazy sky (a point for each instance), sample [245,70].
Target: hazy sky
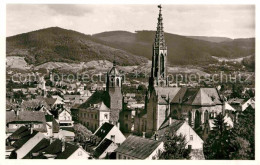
[234,21]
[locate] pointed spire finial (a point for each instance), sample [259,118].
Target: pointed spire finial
[114,61]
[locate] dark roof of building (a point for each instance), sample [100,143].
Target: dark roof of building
[138,147]
[55,126]
[167,128]
[69,150]
[166,94]
[97,97]
[44,143]
[53,148]
[102,147]
[19,143]
[27,117]
[197,96]
[19,133]
[50,101]
[104,130]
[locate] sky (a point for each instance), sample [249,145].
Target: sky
[233,21]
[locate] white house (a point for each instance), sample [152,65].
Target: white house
[65,118]
[172,126]
[111,132]
[70,151]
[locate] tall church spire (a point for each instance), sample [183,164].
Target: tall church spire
[159,41]
[159,59]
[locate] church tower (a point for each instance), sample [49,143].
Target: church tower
[159,58]
[113,87]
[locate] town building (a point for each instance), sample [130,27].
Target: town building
[135,147]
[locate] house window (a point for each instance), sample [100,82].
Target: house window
[189,147]
[95,116]
[91,116]
[126,116]
[80,153]
[119,156]
[191,137]
[106,116]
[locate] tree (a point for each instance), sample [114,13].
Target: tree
[245,128]
[236,91]
[174,148]
[224,143]
[217,146]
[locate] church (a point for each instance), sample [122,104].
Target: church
[194,105]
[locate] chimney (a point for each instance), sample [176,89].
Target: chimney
[31,129]
[63,145]
[118,125]
[143,134]
[51,139]
[170,120]
[156,136]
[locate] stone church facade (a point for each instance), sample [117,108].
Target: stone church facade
[195,105]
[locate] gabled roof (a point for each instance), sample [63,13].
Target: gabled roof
[69,150]
[53,148]
[19,143]
[102,147]
[167,128]
[202,99]
[97,97]
[44,143]
[50,101]
[19,133]
[104,130]
[27,117]
[166,94]
[138,147]
[228,107]
[197,96]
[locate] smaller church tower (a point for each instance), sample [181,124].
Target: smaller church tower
[113,87]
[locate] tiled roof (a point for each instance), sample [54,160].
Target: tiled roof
[102,147]
[97,97]
[100,107]
[19,143]
[202,99]
[50,101]
[166,94]
[138,147]
[27,116]
[19,133]
[167,128]
[69,150]
[197,96]
[104,130]
[53,148]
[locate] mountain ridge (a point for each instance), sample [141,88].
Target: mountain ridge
[62,45]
